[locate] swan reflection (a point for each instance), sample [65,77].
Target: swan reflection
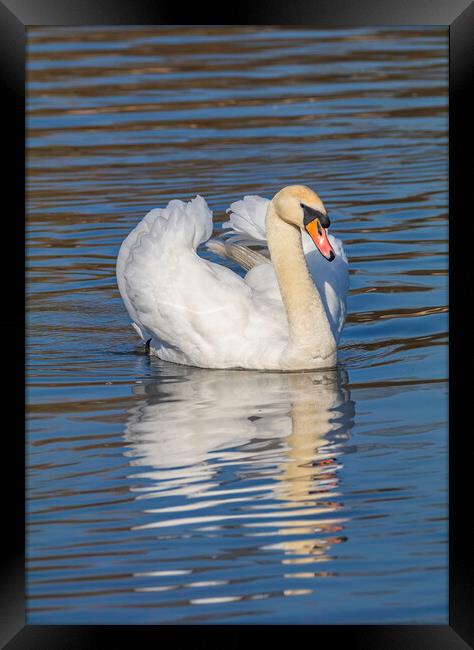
[253,451]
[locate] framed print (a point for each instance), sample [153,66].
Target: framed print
[245,248]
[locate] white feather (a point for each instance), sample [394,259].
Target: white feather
[203,314]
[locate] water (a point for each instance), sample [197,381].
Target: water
[165,494]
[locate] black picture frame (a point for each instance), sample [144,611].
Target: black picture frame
[15,17]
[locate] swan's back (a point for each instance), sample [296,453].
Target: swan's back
[194,311]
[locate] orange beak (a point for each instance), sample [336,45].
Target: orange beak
[319,235]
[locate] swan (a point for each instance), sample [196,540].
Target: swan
[288,311]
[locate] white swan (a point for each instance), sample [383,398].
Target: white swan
[285,314]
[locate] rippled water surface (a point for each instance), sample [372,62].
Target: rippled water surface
[165,494]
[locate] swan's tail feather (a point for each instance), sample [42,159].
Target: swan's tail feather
[242,255]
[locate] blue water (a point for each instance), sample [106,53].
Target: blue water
[164,494]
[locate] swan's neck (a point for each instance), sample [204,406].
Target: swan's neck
[310,334]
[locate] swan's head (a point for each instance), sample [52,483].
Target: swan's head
[300,206]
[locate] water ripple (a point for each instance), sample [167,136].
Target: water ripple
[162,494]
